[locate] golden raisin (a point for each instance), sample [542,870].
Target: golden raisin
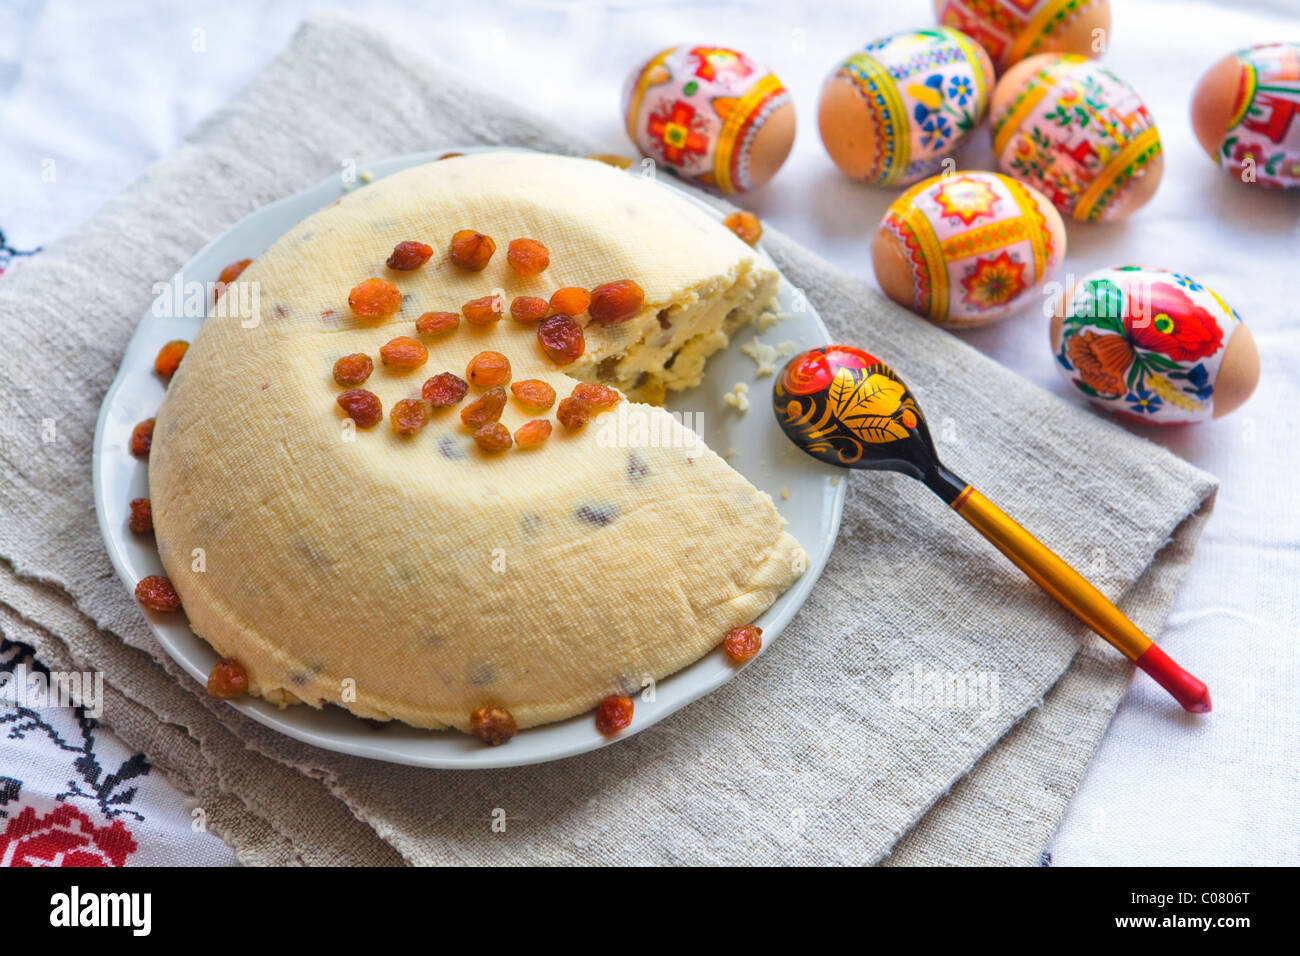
[573,413]
[408,415]
[570,300]
[493,436]
[742,643]
[353,369]
[409,255]
[492,725]
[375,299]
[141,520]
[403,352]
[561,339]
[232,272]
[600,397]
[528,308]
[142,438]
[155,592]
[534,393]
[436,323]
[169,357]
[362,407]
[745,225]
[613,714]
[533,433]
[228,275]
[615,302]
[444,389]
[471,250]
[482,311]
[527,257]
[486,408]
[487,369]
[227,679]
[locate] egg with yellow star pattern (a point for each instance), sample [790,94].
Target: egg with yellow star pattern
[710,114]
[966,249]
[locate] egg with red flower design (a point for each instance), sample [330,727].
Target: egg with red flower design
[1246,113]
[968,249]
[1153,346]
[710,114]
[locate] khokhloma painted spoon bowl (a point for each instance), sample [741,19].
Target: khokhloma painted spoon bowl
[845,407]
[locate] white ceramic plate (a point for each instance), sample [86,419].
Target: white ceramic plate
[763,455]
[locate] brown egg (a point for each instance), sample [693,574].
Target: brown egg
[711,115]
[1153,346]
[1012,31]
[1077,133]
[1244,114]
[967,249]
[891,112]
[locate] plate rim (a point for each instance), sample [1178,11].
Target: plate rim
[476,757]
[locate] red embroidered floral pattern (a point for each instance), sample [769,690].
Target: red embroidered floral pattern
[63,837]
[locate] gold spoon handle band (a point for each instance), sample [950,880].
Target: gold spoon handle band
[1070,589]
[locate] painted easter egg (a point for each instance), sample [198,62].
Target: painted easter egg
[892,111]
[1153,346]
[967,249]
[711,115]
[1079,134]
[1011,30]
[1245,113]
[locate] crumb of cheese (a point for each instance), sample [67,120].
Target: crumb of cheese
[765,356]
[785,494]
[738,397]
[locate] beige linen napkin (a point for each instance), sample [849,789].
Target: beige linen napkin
[828,751]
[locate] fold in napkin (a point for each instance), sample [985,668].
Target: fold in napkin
[830,750]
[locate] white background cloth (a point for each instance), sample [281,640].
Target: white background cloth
[91,94]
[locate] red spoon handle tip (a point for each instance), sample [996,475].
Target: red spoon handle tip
[1186,689]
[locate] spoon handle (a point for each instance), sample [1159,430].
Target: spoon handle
[1076,595]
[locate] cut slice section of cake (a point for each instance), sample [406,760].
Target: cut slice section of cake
[404,571]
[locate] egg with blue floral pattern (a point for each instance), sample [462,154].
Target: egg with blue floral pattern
[890,113]
[710,114]
[1153,346]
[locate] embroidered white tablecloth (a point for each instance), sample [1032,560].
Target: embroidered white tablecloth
[91,95]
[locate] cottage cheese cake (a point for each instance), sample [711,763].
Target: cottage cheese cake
[413,568]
